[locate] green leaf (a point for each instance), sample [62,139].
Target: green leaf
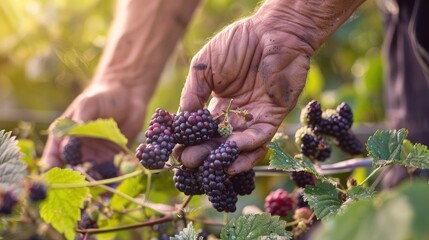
[255,227]
[323,199]
[28,151]
[132,187]
[385,146]
[101,128]
[187,233]
[359,192]
[62,206]
[283,161]
[12,168]
[397,215]
[418,157]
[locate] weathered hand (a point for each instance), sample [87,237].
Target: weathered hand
[262,65]
[125,105]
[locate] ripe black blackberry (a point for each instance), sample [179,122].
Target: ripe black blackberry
[7,202]
[193,128]
[334,126]
[186,181]
[350,143]
[244,182]
[278,203]
[312,113]
[302,178]
[323,150]
[86,222]
[224,155]
[72,152]
[345,111]
[37,192]
[152,156]
[299,198]
[309,145]
[226,201]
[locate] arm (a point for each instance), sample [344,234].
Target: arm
[142,37]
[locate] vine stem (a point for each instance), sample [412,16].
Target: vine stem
[370,175]
[126,227]
[104,181]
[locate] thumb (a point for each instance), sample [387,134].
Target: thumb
[197,88]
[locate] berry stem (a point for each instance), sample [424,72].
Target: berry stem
[370,175]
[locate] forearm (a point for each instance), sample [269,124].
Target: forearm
[312,21]
[142,37]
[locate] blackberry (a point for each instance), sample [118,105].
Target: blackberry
[186,181]
[309,145]
[278,203]
[193,128]
[86,222]
[299,198]
[324,150]
[225,129]
[334,125]
[72,152]
[350,143]
[302,213]
[345,111]
[37,192]
[244,182]
[7,202]
[215,181]
[152,156]
[302,178]
[312,113]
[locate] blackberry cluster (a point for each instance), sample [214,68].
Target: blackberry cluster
[303,178]
[312,113]
[72,152]
[186,181]
[216,183]
[279,203]
[193,128]
[7,202]
[335,123]
[37,192]
[244,182]
[159,141]
[312,146]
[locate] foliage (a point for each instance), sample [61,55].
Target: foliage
[12,168]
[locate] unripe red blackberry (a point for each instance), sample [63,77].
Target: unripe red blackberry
[302,213]
[312,113]
[193,128]
[37,192]
[278,203]
[186,181]
[72,152]
[7,202]
[302,178]
[244,182]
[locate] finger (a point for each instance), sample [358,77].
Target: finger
[197,88]
[247,160]
[253,137]
[51,154]
[193,156]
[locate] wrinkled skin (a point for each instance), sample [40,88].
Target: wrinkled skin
[260,64]
[258,61]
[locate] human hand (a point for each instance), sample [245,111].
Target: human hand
[127,106]
[259,63]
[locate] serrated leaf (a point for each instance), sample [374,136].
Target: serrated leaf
[396,215]
[323,199]
[359,192]
[187,233]
[385,146]
[283,161]
[418,157]
[101,128]
[255,226]
[62,206]
[132,187]
[12,168]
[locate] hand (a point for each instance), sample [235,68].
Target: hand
[262,65]
[125,105]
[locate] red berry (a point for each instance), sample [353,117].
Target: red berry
[278,203]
